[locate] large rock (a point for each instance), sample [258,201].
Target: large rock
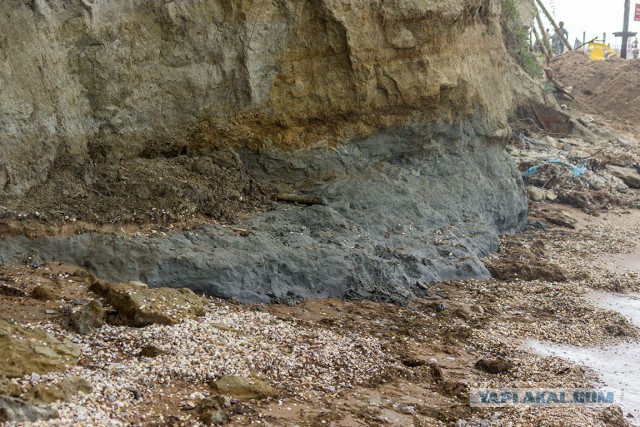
[13,409]
[26,350]
[65,390]
[9,387]
[140,306]
[244,388]
[214,410]
[18,406]
[86,318]
[629,176]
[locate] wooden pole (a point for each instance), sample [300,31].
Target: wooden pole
[541,44]
[553,23]
[587,42]
[545,38]
[530,41]
[625,30]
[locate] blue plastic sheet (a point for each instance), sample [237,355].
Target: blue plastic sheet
[577,170]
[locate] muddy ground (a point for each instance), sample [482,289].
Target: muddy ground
[360,363]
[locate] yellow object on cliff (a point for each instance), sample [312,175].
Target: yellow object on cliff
[599,51]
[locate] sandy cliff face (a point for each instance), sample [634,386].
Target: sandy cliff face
[113,76]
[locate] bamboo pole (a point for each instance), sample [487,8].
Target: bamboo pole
[553,23]
[541,43]
[545,38]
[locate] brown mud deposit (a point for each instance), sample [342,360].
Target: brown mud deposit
[162,188]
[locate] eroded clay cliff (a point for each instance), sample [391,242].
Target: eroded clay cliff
[89,76]
[395,111]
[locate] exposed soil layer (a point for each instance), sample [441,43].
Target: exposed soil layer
[165,112]
[163,185]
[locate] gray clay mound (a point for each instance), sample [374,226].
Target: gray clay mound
[401,211]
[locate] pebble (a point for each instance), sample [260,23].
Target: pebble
[188,405]
[196,395]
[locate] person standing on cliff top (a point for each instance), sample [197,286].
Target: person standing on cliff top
[556,40]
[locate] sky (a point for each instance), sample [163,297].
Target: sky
[593,16]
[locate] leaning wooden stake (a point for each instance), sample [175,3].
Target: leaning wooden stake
[548,72]
[545,39]
[586,43]
[540,43]
[553,23]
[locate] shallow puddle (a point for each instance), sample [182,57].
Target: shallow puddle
[617,365]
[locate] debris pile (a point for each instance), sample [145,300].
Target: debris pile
[589,156]
[593,174]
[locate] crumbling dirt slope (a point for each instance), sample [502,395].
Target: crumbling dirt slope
[610,89]
[263,75]
[595,167]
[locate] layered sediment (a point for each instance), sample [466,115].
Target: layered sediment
[395,112]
